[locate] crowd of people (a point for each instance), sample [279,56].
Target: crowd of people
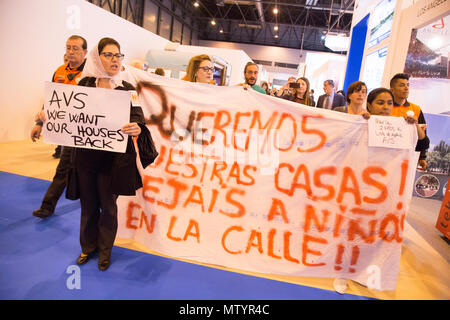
[93,176]
[358,101]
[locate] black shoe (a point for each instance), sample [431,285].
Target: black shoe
[42,213]
[103,265]
[82,259]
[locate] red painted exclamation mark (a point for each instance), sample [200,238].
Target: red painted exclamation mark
[340,253]
[405,165]
[355,256]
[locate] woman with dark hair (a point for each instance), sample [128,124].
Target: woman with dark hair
[300,94]
[356,97]
[380,102]
[200,69]
[98,177]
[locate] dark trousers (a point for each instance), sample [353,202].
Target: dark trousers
[98,226]
[59,181]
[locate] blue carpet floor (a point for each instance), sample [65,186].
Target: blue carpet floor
[37,261]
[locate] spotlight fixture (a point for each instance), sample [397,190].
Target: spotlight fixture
[276,36]
[221,30]
[275,28]
[196,4]
[275,10]
[213,22]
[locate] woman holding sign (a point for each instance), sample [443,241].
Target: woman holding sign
[380,103]
[99,177]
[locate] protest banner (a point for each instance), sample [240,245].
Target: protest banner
[83,117]
[443,220]
[261,184]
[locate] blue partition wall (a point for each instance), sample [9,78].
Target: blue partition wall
[355,54]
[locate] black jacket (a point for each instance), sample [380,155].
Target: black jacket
[125,175]
[338,101]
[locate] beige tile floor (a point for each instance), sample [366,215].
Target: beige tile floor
[424,266]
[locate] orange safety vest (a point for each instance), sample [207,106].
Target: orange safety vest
[64,74]
[400,111]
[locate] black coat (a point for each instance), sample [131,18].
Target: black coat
[125,175]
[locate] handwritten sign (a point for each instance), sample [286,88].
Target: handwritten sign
[390,132]
[85,117]
[331,207]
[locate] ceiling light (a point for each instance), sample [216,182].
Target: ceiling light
[275,28]
[221,30]
[434,43]
[275,10]
[196,4]
[276,36]
[213,22]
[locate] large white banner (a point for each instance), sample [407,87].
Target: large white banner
[84,117]
[261,184]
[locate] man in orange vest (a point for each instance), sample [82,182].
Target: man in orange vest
[68,73]
[400,89]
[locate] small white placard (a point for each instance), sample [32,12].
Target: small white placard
[85,117]
[390,132]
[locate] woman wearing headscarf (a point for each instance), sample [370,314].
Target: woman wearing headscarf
[101,176]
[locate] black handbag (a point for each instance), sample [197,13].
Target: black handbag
[147,149]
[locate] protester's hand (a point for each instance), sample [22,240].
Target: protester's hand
[410,120]
[286,87]
[283,90]
[40,116]
[423,164]
[366,115]
[422,125]
[246,86]
[36,132]
[131,129]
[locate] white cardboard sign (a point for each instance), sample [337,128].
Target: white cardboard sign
[84,117]
[390,132]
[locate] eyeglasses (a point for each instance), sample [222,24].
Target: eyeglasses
[110,55]
[206,69]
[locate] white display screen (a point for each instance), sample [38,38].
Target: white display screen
[374,68]
[380,22]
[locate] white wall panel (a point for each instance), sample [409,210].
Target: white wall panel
[34,34]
